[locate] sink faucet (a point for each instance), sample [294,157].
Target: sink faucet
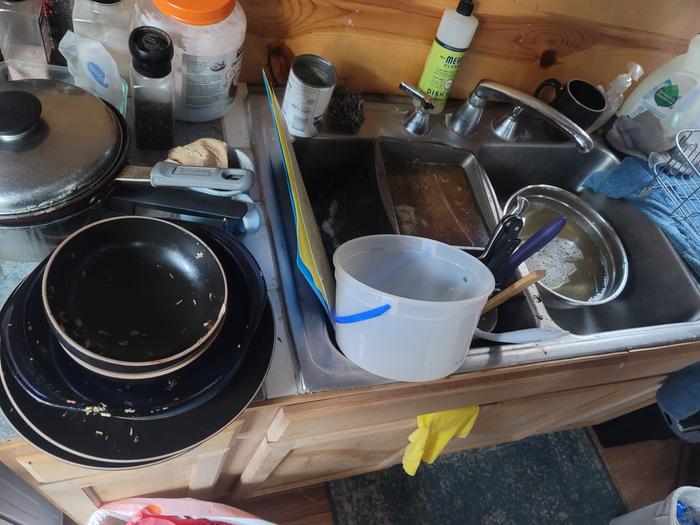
[465,120]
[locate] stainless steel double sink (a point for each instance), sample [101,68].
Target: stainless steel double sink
[660,304]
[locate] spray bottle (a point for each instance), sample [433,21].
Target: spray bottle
[615,94]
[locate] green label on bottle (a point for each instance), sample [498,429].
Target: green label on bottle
[667,96]
[440,70]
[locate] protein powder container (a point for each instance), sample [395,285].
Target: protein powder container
[208,38]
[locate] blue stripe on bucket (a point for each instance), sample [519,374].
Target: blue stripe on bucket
[362,316]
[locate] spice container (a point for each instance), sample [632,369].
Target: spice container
[23,31]
[208,39]
[153,87]
[106,21]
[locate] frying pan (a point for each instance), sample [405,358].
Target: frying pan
[134,295]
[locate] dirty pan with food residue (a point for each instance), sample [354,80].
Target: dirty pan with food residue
[435,191]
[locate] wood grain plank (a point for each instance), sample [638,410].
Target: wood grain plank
[374,44]
[644,472]
[307,505]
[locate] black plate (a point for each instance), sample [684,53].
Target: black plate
[123,443]
[53,378]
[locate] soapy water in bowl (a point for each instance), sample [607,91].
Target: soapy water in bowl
[572,260]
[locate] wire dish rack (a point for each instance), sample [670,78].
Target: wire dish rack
[678,176]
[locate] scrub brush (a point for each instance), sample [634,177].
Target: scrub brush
[346,111]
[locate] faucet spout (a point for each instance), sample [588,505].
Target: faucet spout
[465,120]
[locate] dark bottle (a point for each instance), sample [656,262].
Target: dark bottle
[153,87]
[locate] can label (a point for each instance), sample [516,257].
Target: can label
[303,106]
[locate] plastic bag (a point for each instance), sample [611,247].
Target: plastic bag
[165,511]
[94,69]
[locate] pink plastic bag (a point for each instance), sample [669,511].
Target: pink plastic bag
[165,511]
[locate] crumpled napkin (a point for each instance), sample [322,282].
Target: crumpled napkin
[211,153]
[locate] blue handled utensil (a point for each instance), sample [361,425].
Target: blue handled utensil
[528,248]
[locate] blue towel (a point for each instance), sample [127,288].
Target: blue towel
[631,180]
[679,396]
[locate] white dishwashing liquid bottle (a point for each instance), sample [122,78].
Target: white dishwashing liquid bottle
[671,92]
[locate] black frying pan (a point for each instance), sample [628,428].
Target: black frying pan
[134,295]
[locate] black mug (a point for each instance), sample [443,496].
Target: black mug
[579,100]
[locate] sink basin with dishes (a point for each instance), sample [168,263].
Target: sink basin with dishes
[660,303]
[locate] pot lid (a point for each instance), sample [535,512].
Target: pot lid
[56,141]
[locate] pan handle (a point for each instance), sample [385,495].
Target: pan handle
[173,175]
[125,197]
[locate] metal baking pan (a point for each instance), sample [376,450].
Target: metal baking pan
[436,191]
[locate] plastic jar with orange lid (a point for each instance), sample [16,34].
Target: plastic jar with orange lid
[208,38]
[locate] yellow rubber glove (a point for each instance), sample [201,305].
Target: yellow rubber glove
[433,434]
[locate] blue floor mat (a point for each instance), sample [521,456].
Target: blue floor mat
[555,478]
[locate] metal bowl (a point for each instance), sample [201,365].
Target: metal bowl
[600,260]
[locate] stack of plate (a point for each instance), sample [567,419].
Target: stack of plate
[93,417]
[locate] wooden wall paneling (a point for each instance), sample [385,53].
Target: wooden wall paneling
[374,44]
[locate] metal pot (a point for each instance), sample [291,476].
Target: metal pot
[60,147]
[61,150]
[605,276]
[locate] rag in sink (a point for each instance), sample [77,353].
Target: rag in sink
[632,180]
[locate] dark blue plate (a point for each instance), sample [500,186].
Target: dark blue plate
[117,443]
[49,375]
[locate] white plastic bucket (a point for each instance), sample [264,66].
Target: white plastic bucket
[663,512]
[406,307]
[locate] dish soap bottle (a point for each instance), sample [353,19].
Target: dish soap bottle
[671,93]
[615,94]
[454,34]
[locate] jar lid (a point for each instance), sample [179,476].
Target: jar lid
[196,12]
[151,51]
[56,141]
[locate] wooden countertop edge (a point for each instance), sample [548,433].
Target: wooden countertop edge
[510,372]
[473,380]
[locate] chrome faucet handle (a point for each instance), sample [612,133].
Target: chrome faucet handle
[418,122]
[466,119]
[506,127]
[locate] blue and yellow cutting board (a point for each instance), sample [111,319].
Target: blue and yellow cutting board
[311,256]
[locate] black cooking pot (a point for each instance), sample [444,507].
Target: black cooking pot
[61,149]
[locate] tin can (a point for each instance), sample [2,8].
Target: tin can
[308,92]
